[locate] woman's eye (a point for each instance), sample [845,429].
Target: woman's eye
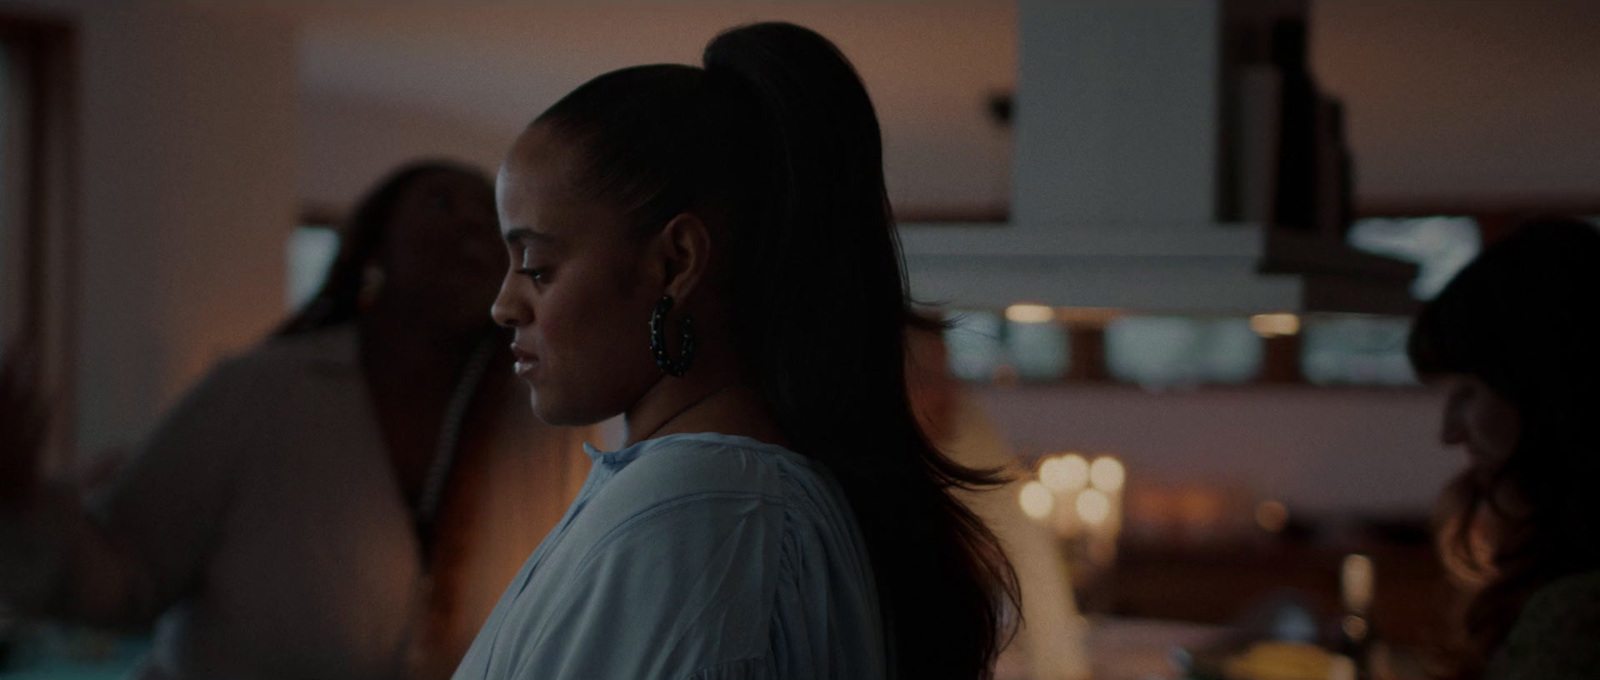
[536,274]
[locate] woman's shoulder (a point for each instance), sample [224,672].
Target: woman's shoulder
[264,377]
[1571,603]
[1557,634]
[333,347]
[765,521]
[709,464]
[326,347]
[695,481]
[280,360]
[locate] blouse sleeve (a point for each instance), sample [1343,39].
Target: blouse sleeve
[125,556]
[677,592]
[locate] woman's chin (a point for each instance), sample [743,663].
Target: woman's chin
[552,410]
[541,406]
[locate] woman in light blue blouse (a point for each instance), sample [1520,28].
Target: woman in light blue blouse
[709,252]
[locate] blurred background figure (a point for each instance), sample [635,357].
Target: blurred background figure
[1512,342]
[348,499]
[1050,644]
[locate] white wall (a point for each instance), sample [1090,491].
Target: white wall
[188,190]
[1116,115]
[1315,450]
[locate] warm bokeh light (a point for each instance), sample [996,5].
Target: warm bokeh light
[1199,509]
[1272,516]
[1087,316]
[1030,313]
[1356,583]
[1064,473]
[1355,627]
[1107,474]
[1036,500]
[1275,325]
[1093,506]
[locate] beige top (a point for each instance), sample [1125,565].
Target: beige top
[265,526]
[1052,635]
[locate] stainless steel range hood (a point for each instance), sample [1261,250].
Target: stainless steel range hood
[1116,181]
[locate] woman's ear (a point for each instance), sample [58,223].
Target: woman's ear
[684,246]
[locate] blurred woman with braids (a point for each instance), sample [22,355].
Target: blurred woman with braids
[345,500]
[1513,342]
[709,252]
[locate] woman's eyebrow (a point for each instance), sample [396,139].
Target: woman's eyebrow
[527,236]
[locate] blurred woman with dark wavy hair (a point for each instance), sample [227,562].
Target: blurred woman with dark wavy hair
[1513,342]
[344,500]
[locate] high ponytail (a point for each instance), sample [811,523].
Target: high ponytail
[777,133]
[824,295]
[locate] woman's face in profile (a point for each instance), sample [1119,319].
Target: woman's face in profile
[441,248]
[577,291]
[1478,419]
[1488,426]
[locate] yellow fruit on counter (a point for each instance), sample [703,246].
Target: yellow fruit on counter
[1288,661]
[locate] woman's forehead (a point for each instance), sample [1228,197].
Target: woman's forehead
[538,172]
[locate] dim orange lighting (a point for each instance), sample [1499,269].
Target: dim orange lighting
[1355,627]
[1064,473]
[1275,325]
[1356,583]
[1107,474]
[1199,509]
[1087,316]
[1037,502]
[1272,516]
[1093,506]
[1030,313]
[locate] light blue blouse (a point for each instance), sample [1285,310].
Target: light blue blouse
[692,556]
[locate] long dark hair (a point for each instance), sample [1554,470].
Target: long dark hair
[360,239]
[777,135]
[1521,318]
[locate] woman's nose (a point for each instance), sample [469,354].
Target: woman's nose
[508,309]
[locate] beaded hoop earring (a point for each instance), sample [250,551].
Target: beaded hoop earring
[658,339]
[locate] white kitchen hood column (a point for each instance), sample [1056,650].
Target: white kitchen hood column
[1116,115]
[1115,175]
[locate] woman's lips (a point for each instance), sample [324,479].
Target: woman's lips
[526,360]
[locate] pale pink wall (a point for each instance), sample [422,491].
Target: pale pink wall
[1480,100]
[382,81]
[1446,98]
[188,169]
[349,142]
